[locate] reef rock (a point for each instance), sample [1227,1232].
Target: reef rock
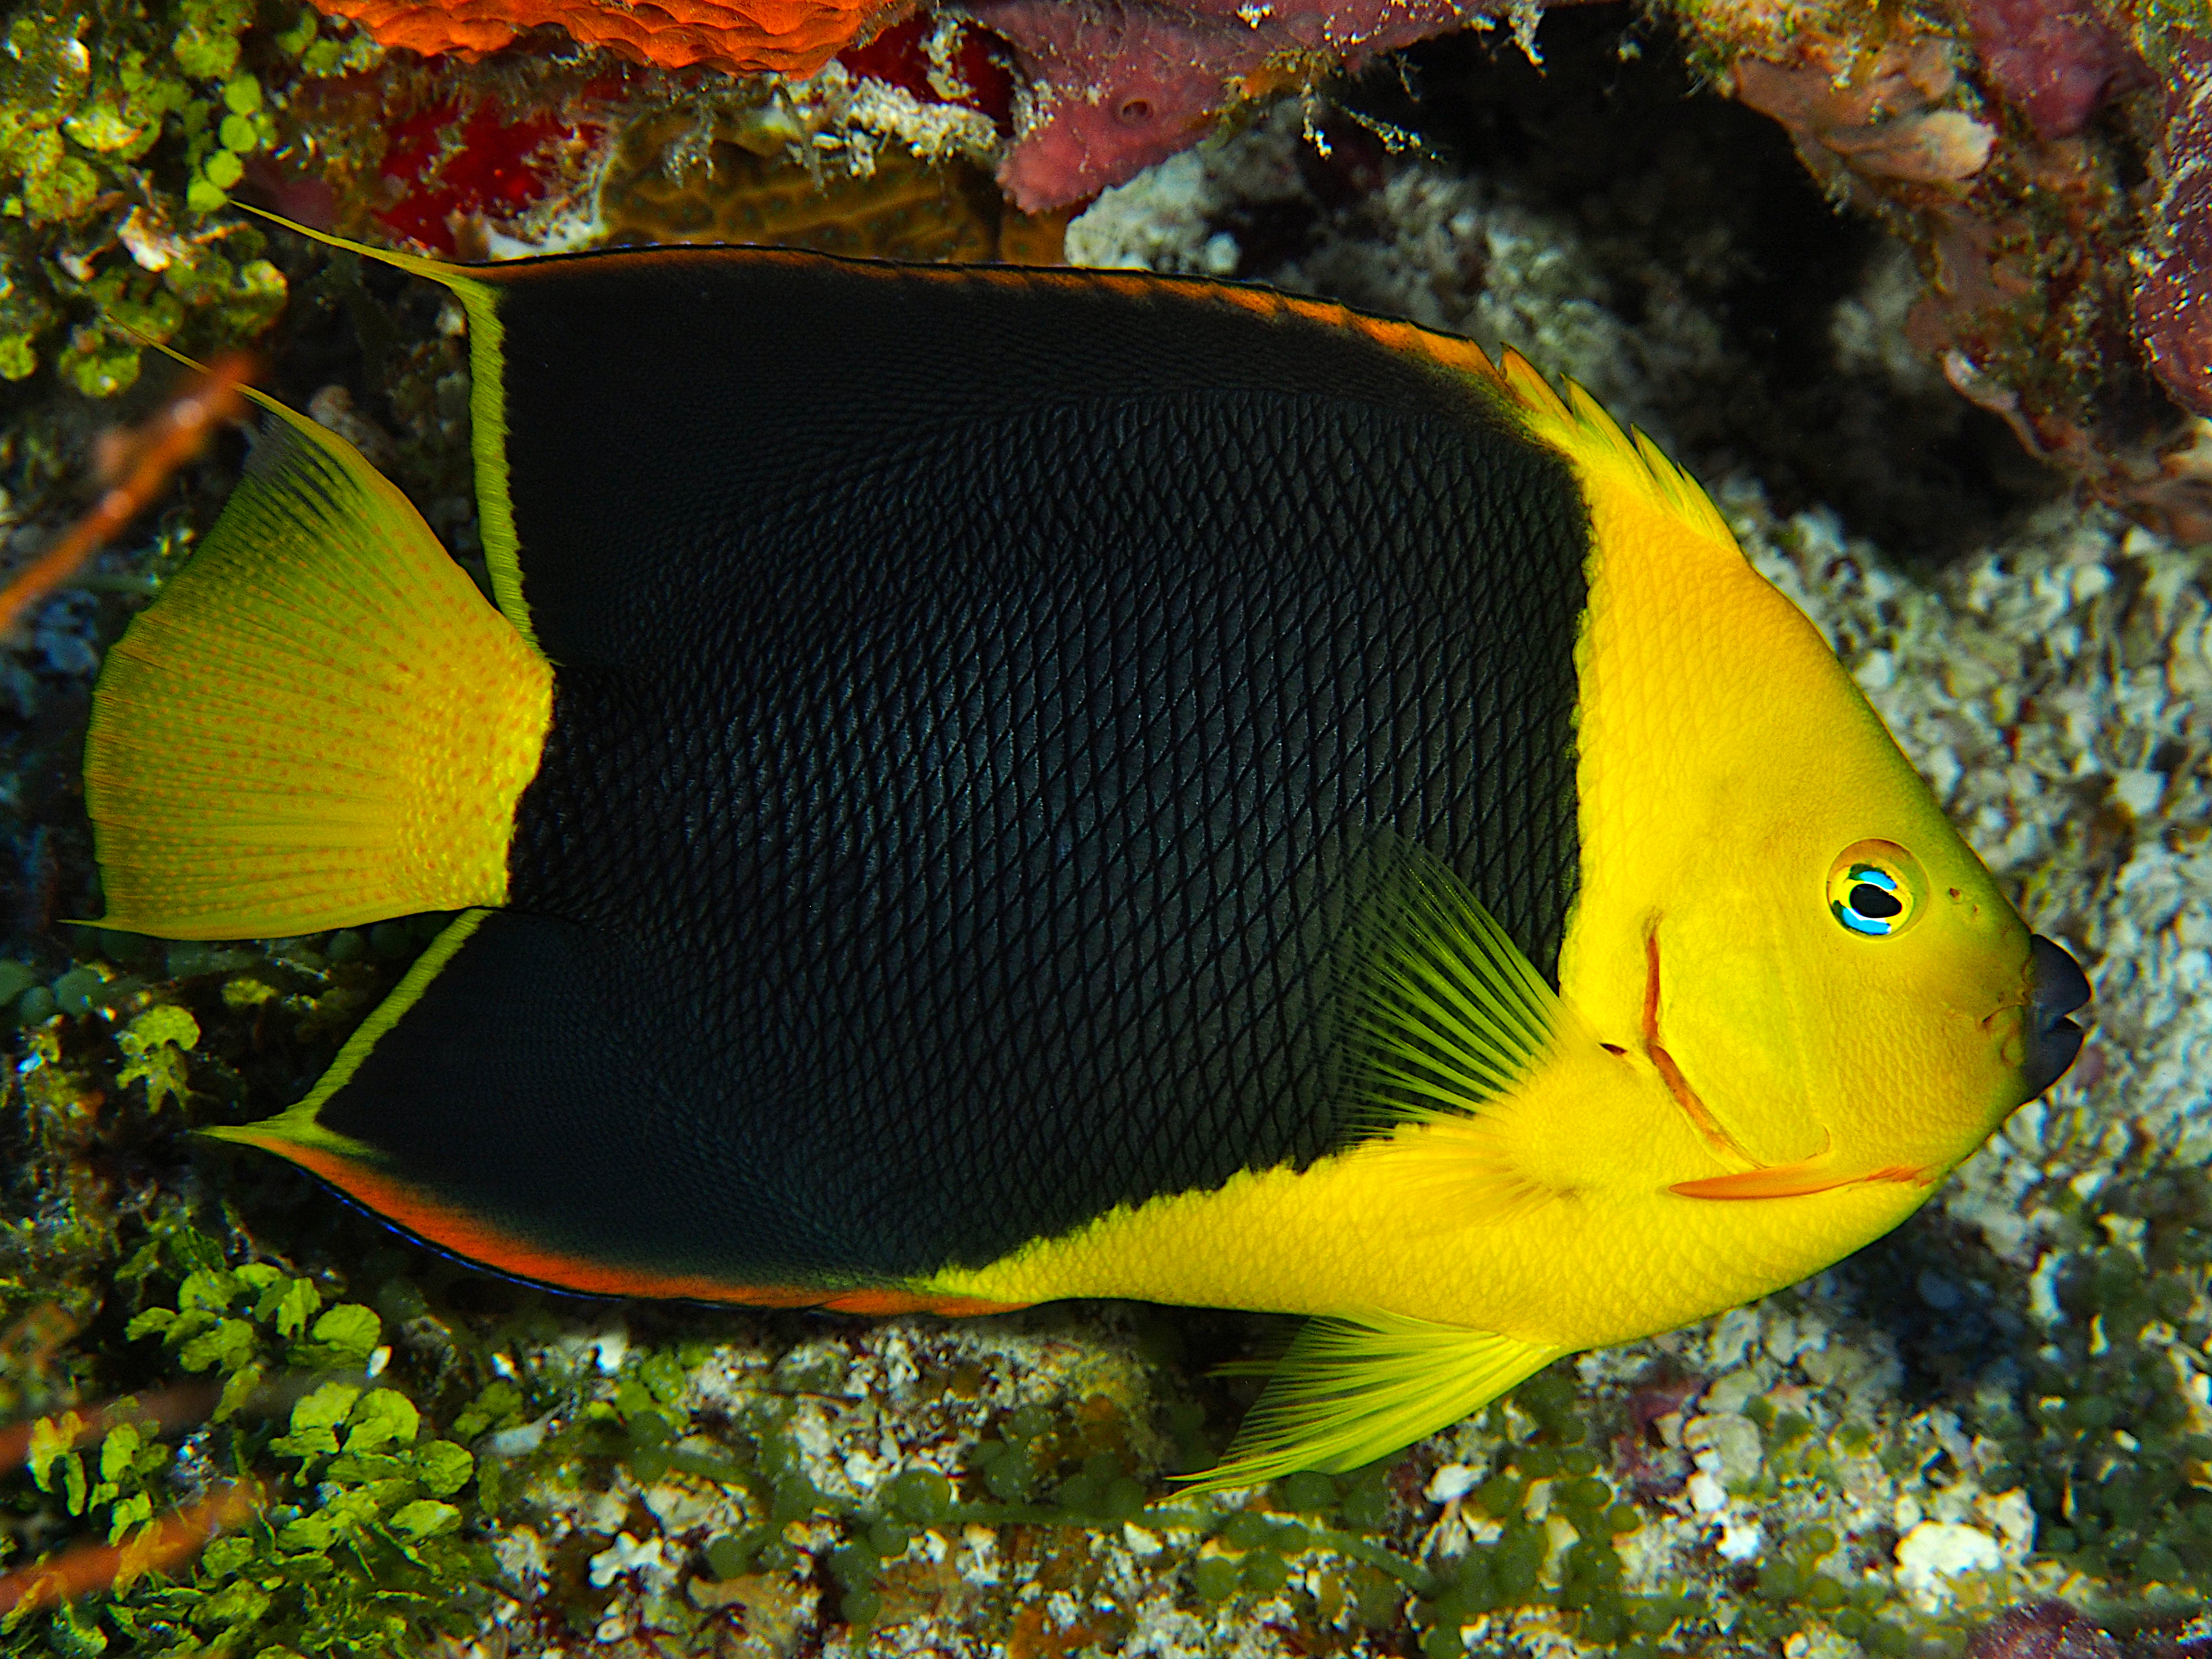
[2000,140]
[2053,63]
[2173,300]
[2041,1630]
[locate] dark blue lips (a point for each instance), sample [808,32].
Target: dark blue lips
[2053,1040]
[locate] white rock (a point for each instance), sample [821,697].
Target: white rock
[1724,1444]
[1935,1552]
[1734,1334]
[609,1349]
[1451,1483]
[2139,790]
[624,1555]
[1741,1540]
[2014,1520]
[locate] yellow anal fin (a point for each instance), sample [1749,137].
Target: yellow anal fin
[320,721]
[1357,1387]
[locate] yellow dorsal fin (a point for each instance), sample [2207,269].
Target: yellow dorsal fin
[1579,426]
[1357,1386]
[320,721]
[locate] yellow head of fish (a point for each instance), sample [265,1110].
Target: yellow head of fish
[1790,999]
[1775,911]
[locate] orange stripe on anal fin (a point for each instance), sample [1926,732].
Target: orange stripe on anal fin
[470,1236]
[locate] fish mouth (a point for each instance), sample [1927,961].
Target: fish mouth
[2053,1040]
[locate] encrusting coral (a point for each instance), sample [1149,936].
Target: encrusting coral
[904,208]
[1116,85]
[790,37]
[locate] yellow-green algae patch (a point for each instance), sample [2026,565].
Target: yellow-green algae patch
[122,131]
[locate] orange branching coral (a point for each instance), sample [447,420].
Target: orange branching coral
[793,37]
[142,462]
[159,1546]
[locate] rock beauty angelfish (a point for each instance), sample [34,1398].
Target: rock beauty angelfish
[988,785]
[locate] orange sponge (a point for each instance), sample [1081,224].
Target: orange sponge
[794,37]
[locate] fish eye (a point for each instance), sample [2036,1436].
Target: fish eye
[1875,889]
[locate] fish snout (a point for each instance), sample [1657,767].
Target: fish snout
[2053,1040]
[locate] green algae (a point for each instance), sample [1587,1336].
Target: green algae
[358,1548]
[122,131]
[156,1047]
[2110,1431]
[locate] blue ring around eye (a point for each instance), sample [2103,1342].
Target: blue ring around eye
[1871,926]
[1874,878]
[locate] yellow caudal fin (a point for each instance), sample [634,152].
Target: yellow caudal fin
[1361,1386]
[320,722]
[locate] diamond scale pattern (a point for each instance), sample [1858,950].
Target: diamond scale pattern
[959,788]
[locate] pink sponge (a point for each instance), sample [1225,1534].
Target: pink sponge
[2053,60]
[1116,85]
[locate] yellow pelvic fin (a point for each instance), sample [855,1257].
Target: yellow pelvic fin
[1357,1387]
[320,722]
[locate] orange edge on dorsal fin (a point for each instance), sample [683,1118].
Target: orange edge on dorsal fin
[1791,1180]
[475,1240]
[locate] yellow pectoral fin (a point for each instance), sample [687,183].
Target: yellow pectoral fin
[1357,1387]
